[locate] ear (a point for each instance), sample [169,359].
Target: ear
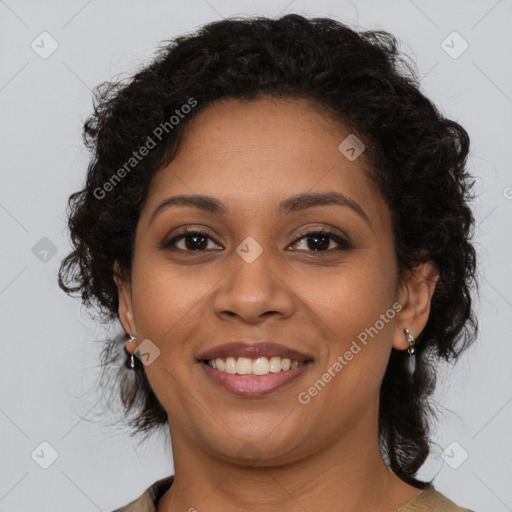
[415,294]
[125,303]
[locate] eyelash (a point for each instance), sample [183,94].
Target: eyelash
[343,244]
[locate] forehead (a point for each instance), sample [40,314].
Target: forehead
[256,153]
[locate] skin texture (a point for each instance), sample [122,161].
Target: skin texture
[321,456]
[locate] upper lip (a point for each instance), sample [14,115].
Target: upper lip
[253,350]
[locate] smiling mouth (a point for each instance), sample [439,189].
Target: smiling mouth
[254,367]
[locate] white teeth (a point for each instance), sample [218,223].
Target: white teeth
[258,366]
[244,366]
[261,366]
[230,365]
[275,364]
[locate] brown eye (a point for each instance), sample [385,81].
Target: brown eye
[190,241]
[321,241]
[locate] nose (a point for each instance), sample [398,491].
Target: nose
[253,292]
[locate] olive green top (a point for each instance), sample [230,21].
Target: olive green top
[427,500]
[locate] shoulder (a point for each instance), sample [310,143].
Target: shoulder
[147,501]
[430,500]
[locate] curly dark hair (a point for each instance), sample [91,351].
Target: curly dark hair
[417,158]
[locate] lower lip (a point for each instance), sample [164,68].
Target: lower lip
[246,385]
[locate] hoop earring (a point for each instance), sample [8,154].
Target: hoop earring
[411,340]
[132,339]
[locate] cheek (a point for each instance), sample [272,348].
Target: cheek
[355,318]
[168,301]
[353,296]
[353,310]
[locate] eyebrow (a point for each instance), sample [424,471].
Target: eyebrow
[292,204]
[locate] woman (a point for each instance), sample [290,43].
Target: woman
[280,221]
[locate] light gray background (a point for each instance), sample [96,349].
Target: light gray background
[49,356]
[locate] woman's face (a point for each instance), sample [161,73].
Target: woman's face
[256,277]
